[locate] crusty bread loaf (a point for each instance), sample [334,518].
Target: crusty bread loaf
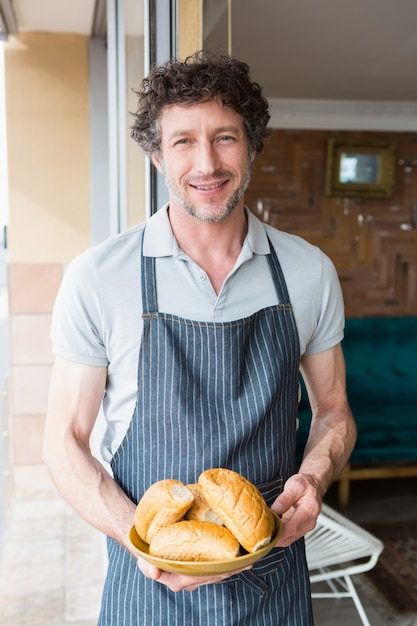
[191,540]
[163,504]
[240,506]
[200,510]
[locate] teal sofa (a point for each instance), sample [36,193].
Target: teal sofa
[381,380]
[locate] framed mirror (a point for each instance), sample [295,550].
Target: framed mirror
[360,169]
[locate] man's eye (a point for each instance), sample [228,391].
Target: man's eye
[226,138]
[181,141]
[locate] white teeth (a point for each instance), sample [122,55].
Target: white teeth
[209,187]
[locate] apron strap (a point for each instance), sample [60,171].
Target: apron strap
[278,276]
[148,278]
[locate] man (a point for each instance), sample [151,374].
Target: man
[190,330]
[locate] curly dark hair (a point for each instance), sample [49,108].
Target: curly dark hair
[201,77]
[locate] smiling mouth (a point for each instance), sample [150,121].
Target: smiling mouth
[209,187]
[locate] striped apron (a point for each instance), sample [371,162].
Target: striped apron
[212,395]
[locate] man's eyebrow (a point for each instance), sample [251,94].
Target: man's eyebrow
[221,130]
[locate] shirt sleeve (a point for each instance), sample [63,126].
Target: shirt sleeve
[330,320]
[76,331]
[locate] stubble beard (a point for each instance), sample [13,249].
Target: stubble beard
[204,214]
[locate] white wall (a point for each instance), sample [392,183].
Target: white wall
[343,115]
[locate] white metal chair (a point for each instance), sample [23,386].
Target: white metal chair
[336,549]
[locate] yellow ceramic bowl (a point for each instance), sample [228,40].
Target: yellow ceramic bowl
[203,568]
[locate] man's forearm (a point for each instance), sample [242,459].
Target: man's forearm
[330,443]
[75,396]
[91,491]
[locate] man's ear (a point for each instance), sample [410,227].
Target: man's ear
[157,162]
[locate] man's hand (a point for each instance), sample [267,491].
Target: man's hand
[299,506]
[330,442]
[178,582]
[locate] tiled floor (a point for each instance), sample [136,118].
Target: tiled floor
[51,568]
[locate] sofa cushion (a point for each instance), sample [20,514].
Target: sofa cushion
[381,381]
[384,434]
[381,360]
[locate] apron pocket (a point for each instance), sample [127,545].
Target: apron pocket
[272,561]
[271,489]
[255,577]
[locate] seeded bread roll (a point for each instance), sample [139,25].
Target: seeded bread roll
[240,506]
[200,510]
[190,540]
[163,504]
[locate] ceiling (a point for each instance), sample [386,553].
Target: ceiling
[331,49]
[73,16]
[307,49]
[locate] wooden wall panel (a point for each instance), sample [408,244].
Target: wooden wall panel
[372,242]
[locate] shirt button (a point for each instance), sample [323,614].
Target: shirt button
[202,277]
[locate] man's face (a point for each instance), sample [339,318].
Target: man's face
[205,159]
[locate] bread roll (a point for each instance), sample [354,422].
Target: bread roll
[240,506]
[164,503]
[190,540]
[200,510]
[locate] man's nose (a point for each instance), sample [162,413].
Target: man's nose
[207,159]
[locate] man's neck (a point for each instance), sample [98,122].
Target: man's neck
[214,246]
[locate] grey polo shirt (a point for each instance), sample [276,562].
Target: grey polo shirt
[97,314]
